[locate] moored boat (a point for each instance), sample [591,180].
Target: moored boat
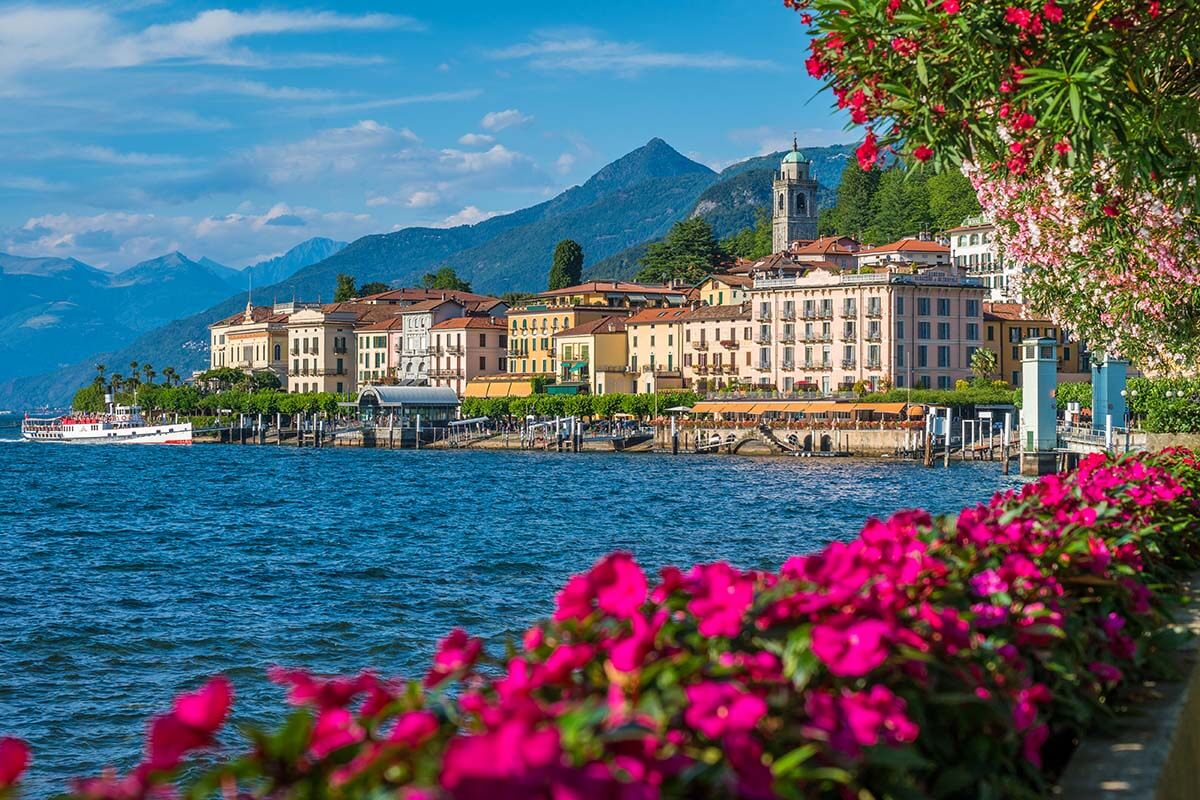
[120,425]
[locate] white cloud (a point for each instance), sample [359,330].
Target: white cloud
[422,199]
[34,38]
[260,90]
[582,50]
[97,154]
[496,121]
[468,216]
[390,102]
[498,157]
[475,139]
[115,240]
[564,163]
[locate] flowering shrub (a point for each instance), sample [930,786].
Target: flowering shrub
[928,657]
[1077,121]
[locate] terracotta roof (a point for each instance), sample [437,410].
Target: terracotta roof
[907,246]
[612,324]
[258,314]
[705,313]
[483,306]
[1011,312]
[458,323]
[362,312]
[394,323]
[415,294]
[775,261]
[428,305]
[602,287]
[649,316]
[826,245]
[730,279]
[981,226]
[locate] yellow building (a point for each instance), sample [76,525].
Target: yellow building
[1005,325]
[533,326]
[656,348]
[254,340]
[594,355]
[725,290]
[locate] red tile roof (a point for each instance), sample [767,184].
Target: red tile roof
[258,314]
[613,324]
[827,245]
[732,279]
[608,287]
[649,316]
[393,324]
[458,323]
[413,295]
[428,305]
[1011,312]
[907,246]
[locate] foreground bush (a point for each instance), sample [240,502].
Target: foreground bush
[948,657]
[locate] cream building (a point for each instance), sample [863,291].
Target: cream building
[729,289]
[378,358]
[594,355]
[465,348]
[973,250]
[716,344]
[827,331]
[656,348]
[415,342]
[255,340]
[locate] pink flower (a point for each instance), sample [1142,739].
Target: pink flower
[720,597]
[512,754]
[629,652]
[456,652]
[923,153]
[190,725]
[564,660]
[1031,745]
[334,729]
[619,584]
[988,583]
[14,759]
[206,709]
[575,599]
[1099,556]
[1106,673]
[950,6]
[867,152]
[853,648]
[307,689]
[1051,12]
[413,729]
[853,720]
[716,709]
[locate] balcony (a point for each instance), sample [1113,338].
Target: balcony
[445,373]
[295,350]
[450,350]
[611,368]
[874,336]
[825,366]
[848,363]
[730,344]
[729,369]
[701,369]
[823,337]
[700,345]
[849,334]
[874,313]
[763,366]
[788,314]
[787,337]
[809,314]
[874,365]
[810,365]
[850,311]
[789,365]
[761,339]
[825,313]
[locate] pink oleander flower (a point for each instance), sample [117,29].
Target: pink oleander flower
[988,583]
[1106,673]
[1031,744]
[853,720]
[334,729]
[619,584]
[562,661]
[455,653]
[850,648]
[1099,556]
[14,760]
[513,752]
[716,709]
[629,652]
[413,729]
[306,689]
[190,725]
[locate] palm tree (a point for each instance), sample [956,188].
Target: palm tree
[115,382]
[148,371]
[169,375]
[983,362]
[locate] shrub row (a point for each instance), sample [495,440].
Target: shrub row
[580,405]
[927,658]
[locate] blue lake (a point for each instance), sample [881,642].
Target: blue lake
[128,574]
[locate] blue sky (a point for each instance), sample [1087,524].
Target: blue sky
[234,131]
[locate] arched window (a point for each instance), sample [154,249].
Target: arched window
[781,202]
[974,238]
[278,352]
[962,240]
[800,204]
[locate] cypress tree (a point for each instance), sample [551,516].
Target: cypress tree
[567,267]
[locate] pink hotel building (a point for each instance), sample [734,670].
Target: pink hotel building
[825,331]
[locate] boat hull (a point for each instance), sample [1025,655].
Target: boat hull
[177,434]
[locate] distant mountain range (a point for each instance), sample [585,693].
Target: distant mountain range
[56,311]
[627,204]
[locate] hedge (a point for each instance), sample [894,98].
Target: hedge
[944,657]
[577,405]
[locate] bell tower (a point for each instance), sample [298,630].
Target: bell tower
[795,201]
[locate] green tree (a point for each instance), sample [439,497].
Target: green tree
[751,243]
[901,206]
[514,299]
[373,287]
[951,199]
[983,363]
[345,289]
[567,267]
[688,253]
[445,278]
[89,398]
[855,208]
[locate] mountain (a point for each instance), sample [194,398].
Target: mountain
[285,266]
[627,204]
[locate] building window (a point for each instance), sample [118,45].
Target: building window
[922,306]
[943,306]
[943,356]
[972,331]
[922,356]
[923,330]
[900,304]
[943,381]
[899,355]
[972,308]
[943,330]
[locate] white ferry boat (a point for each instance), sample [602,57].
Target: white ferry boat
[121,425]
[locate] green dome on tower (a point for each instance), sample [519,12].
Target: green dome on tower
[793,157]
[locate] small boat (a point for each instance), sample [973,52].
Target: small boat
[120,425]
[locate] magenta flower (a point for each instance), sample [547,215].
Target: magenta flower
[1106,673]
[513,754]
[413,729]
[619,584]
[988,583]
[720,597]
[717,709]
[190,725]
[306,689]
[629,652]
[14,759]
[456,652]
[334,729]
[850,649]
[575,599]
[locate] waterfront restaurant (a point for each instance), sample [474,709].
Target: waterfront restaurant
[400,406]
[823,413]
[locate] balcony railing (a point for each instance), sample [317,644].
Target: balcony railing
[874,336]
[849,333]
[338,350]
[762,339]
[787,336]
[729,369]
[295,350]
[849,311]
[701,369]
[730,344]
[825,313]
[700,345]
[873,365]
[823,337]
[788,314]
[848,363]
[763,366]
[450,350]
[611,368]
[875,313]
[809,315]
[789,365]
[445,373]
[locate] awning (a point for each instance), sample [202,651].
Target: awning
[638,298]
[888,408]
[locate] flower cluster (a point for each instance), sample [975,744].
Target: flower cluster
[1078,121]
[925,656]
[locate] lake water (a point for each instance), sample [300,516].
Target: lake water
[128,574]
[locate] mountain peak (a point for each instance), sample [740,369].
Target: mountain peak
[654,159]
